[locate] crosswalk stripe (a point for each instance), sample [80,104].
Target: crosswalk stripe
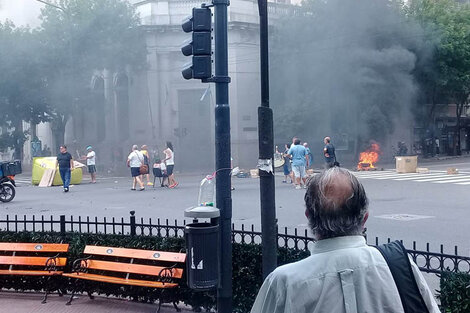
[452,181]
[427,176]
[467,183]
[407,176]
[443,178]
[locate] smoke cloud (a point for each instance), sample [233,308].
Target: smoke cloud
[345,70]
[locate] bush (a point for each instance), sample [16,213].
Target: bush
[246,266]
[455,292]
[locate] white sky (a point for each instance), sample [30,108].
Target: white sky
[21,12]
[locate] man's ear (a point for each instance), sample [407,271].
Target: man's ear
[306,213]
[365,218]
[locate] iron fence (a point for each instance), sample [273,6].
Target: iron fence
[427,260]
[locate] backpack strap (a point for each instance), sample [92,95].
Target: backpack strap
[396,256]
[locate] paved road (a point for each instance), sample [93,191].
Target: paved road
[430,207]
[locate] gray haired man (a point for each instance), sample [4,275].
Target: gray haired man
[343,274]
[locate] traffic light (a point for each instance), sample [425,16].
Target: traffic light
[200,45]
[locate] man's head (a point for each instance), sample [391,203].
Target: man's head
[336,204]
[327,140]
[63,149]
[135,147]
[297,141]
[305,144]
[89,148]
[293,139]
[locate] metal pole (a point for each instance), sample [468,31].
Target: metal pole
[266,151]
[222,157]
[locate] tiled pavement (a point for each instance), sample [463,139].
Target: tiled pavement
[12,302]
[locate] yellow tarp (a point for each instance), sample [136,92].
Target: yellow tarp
[40,165]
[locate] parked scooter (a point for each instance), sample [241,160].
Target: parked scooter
[8,170]
[7,188]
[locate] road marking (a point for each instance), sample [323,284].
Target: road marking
[404,217]
[452,181]
[446,177]
[437,177]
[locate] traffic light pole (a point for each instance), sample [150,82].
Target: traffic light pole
[222,156]
[266,151]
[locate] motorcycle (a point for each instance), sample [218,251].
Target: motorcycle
[7,188]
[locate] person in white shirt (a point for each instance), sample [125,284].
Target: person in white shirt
[134,161]
[170,165]
[91,163]
[343,274]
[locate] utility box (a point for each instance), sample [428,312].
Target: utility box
[406,164]
[202,248]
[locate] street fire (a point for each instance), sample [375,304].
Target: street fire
[368,158]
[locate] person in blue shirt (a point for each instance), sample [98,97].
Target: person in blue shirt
[298,153]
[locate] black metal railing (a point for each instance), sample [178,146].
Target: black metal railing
[427,260]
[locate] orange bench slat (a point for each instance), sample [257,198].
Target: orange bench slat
[136,254]
[30,273]
[122,281]
[130,268]
[34,247]
[28,260]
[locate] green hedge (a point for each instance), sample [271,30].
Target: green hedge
[455,292]
[247,270]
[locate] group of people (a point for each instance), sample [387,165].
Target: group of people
[298,158]
[138,161]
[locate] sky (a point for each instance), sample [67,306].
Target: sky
[21,12]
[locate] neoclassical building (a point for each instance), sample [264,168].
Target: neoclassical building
[158,105]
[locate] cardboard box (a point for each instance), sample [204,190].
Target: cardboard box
[452,171]
[422,170]
[406,164]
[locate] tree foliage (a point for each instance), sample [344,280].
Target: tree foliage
[448,23]
[79,38]
[22,86]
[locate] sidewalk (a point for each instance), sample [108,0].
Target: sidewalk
[17,302]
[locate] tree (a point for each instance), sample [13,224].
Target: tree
[79,37]
[22,87]
[449,22]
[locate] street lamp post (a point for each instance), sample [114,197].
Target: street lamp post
[266,151]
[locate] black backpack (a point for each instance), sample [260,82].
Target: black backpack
[397,259]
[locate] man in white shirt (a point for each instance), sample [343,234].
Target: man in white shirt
[91,163]
[343,274]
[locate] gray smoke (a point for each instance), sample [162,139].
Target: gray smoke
[346,70]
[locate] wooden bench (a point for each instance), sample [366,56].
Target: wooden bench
[33,259]
[132,267]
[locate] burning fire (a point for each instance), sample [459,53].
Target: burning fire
[368,158]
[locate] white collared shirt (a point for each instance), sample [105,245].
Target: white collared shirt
[343,275]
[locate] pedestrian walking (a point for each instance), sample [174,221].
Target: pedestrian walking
[329,153]
[287,167]
[144,151]
[65,161]
[309,156]
[170,164]
[343,274]
[298,153]
[134,161]
[91,163]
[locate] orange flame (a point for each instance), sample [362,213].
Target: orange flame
[368,158]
